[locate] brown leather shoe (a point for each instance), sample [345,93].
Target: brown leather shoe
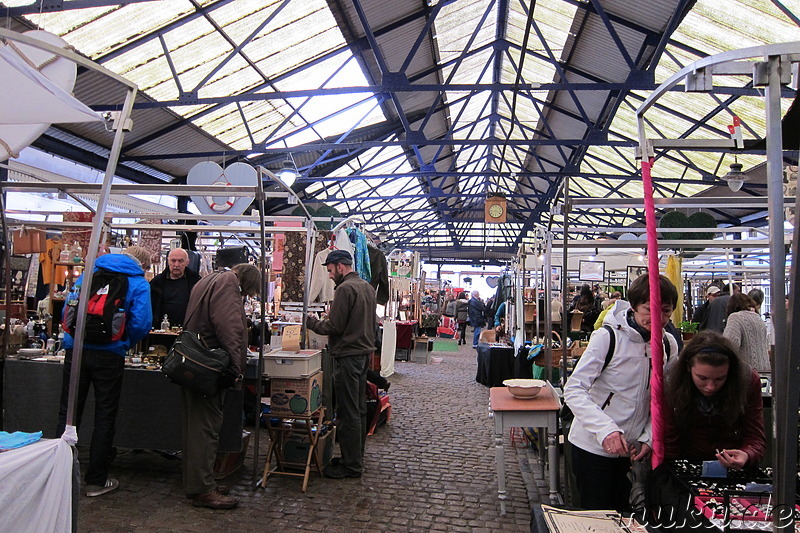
[222,489]
[215,500]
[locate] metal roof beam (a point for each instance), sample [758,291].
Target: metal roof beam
[252,96]
[377,144]
[62,6]
[598,9]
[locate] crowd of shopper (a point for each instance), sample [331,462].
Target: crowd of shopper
[713,406]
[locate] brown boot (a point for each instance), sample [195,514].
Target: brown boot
[215,500]
[222,489]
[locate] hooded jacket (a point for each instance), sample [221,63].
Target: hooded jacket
[138,316]
[616,398]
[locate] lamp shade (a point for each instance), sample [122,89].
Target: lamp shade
[288,174]
[735,177]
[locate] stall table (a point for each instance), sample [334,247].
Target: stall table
[540,412]
[495,364]
[149,415]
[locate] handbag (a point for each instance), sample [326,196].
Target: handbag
[190,363]
[29,241]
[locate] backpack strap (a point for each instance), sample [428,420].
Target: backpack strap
[612,341]
[612,345]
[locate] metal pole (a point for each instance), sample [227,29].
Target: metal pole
[311,238]
[785,408]
[91,253]
[565,321]
[548,298]
[265,275]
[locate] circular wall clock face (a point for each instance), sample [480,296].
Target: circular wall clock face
[496,211]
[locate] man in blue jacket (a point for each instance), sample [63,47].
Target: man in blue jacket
[477,318]
[102,366]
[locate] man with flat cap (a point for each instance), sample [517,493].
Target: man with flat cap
[350,326]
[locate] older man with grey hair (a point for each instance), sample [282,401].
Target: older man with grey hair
[169,291]
[477,316]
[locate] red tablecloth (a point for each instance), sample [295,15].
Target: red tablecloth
[405,334]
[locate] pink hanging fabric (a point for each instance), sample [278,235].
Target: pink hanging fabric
[656,326]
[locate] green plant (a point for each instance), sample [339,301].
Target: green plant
[689,327]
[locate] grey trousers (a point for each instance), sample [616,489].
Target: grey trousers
[202,419]
[350,389]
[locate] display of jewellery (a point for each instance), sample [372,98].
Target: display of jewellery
[742,501]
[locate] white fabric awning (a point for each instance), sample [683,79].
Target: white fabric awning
[28,97]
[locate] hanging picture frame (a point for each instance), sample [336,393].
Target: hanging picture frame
[591,270]
[555,277]
[634,271]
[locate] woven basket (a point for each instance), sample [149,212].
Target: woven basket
[539,360]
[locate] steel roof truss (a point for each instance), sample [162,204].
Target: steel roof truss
[344,135]
[561,74]
[296,110]
[237,48]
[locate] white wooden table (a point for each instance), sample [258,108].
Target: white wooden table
[539,412]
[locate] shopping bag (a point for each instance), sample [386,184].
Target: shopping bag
[29,241]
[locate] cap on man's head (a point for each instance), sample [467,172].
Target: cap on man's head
[339,256]
[712,290]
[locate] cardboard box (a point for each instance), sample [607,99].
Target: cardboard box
[287,364]
[296,396]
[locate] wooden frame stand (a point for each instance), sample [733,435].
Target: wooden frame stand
[288,425]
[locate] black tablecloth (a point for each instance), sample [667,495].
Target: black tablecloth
[149,415]
[495,364]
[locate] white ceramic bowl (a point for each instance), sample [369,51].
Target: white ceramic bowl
[524,388]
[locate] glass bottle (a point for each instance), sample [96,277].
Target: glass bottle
[165,323]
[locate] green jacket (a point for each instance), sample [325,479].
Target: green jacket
[351,323]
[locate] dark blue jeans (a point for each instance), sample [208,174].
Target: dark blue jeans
[602,482]
[476,334]
[103,371]
[350,389]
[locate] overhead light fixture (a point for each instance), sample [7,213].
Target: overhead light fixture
[736,177]
[288,173]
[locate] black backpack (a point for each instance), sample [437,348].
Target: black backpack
[105,314]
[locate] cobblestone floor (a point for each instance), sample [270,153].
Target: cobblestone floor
[431,468]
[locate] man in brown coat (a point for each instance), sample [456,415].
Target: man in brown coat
[216,313]
[350,327]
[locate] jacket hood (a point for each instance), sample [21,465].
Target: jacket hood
[617,318]
[120,263]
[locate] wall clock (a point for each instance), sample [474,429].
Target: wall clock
[495,210]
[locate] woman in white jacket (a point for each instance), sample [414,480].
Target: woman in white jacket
[612,404]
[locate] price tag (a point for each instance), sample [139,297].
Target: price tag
[290,339]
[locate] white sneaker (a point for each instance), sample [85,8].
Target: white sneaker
[97,490]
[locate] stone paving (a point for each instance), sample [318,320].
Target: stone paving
[431,468]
